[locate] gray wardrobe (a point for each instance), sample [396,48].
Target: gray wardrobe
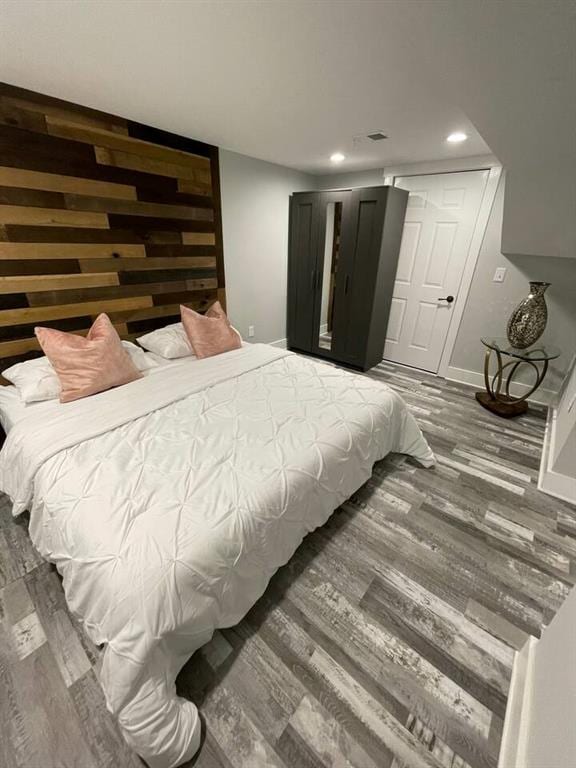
[343,252]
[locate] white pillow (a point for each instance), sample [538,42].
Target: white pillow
[170,342]
[11,407]
[141,360]
[37,380]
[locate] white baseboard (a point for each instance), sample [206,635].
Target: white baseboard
[476,379]
[518,709]
[554,483]
[282,343]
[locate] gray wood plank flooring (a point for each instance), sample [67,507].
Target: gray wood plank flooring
[386,642]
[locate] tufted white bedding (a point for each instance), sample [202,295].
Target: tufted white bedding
[167,505]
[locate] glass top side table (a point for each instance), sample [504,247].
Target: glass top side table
[497,397]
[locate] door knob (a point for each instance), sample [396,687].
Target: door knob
[449,299]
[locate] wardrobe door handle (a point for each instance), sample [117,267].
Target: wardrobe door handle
[346,284]
[313,280]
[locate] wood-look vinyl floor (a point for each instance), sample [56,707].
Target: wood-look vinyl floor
[386,642]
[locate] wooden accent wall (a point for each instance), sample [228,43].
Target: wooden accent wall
[100,214]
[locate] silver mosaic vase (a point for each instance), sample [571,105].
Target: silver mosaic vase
[528,321]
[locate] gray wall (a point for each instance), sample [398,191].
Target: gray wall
[255,201]
[490,304]
[372,178]
[255,205]
[551,727]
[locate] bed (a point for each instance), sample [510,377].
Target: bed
[167,504]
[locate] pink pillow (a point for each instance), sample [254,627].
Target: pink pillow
[209,334]
[88,365]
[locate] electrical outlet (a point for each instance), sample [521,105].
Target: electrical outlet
[250,331]
[499,275]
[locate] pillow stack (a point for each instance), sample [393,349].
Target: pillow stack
[197,336]
[210,334]
[169,342]
[85,366]
[77,366]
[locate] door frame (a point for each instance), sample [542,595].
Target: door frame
[488,197]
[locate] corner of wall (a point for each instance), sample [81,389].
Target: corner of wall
[518,708]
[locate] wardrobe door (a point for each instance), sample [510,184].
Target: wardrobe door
[334,214]
[359,268]
[305,226]
[386,277]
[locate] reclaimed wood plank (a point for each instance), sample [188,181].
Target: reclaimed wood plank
[39,314]
[200,223]
[51,217]
[18,347]
[110,140]
[155,289]
[48,105]
[147,264]
[136,208]
[32,233]
[199,238]
[57,251]
[195,186]
[168,310]
[17,117]
[137,162]
[35,283]
[21,177]
[31,197]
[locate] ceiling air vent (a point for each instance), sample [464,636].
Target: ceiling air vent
[376,136]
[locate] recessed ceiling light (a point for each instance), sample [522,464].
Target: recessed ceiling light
[337,157]
[456,137]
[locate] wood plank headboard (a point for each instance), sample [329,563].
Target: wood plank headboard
[100,214]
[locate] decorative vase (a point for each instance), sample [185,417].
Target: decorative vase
[528,321]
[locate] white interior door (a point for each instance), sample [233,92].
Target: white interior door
[440,219]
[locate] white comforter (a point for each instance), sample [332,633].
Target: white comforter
[167,505]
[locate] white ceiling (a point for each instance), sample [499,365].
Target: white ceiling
[289,82]
[292,81]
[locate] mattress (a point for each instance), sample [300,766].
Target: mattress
[168,504]
[13,409]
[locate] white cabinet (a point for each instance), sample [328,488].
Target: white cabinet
[558,467]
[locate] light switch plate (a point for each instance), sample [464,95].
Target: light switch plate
[499,275]
[250,331]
